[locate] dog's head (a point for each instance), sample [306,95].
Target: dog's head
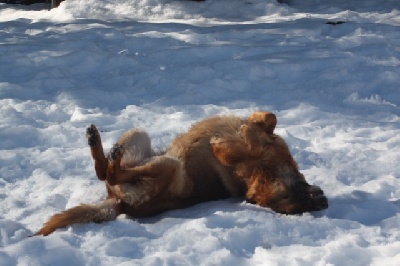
[274,181]
[271,174]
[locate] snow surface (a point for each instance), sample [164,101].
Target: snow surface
[163,65]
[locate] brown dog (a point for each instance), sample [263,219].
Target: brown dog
[217,158]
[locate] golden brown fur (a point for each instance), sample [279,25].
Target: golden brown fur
[217,158]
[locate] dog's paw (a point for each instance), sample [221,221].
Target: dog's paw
[116,152]
[92,135]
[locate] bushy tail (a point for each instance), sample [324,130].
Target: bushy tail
[106,211]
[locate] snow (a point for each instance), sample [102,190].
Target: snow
[162,65]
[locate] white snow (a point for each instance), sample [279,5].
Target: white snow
[162,65]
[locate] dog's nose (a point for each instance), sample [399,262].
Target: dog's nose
[315,192]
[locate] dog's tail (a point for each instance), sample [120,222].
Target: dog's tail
[108,210]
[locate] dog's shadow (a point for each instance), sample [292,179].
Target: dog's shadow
[362,207]
[204,209]
[357,206]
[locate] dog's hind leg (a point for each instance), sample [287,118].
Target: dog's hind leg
[161,175]
[160,167]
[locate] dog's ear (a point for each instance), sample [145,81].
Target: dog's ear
[266,120]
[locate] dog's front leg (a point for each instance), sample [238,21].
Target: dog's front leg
[251,136]
[230,151]
[96,149]
[265,120]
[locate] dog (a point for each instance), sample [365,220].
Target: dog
[218,158]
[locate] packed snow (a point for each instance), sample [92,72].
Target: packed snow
[162,65]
